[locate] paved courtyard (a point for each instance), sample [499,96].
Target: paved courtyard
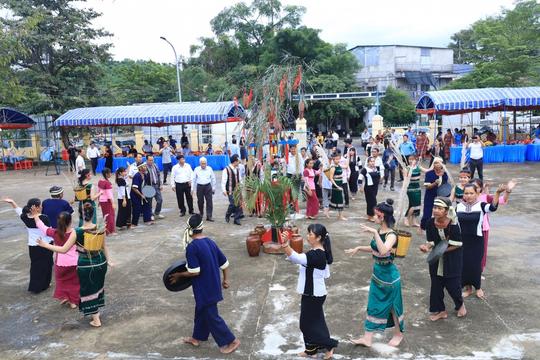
[142,320]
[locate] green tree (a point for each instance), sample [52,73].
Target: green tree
[59,65]
[503,48]
[397,108]
[128,82]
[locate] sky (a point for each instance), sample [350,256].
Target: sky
[138,24]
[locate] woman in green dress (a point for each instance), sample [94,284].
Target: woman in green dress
[91,194]
[336,177]
[385,305]
[91,267]
[414,191]
[457,190]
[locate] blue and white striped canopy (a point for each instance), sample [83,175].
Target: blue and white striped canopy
[471,100]
[152,114]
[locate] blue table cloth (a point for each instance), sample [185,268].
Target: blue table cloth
[533,152]
[216,162]
[495,154]
[515,153]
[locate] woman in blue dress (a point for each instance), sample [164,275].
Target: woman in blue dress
[434,180]
[385,304]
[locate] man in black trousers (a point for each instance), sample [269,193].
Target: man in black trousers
[181,176]
[204,182]
[230,180]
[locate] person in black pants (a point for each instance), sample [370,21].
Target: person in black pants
[476,161]
[230,179]
[181,184]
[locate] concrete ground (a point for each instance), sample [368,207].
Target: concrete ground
[142,320]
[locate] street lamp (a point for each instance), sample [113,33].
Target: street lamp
[177,68]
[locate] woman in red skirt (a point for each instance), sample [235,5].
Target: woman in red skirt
[106,201]
[65,266]
[312,207]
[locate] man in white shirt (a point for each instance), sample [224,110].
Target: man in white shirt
[295,170]
[394,136]
[234,148]
[93,155]
[181,176]
[204,182]
[230,180]
[79,162]
[166,153]
[477,157]
[335,138]
[344,163]
[375,154]
[134,167]
[365,138]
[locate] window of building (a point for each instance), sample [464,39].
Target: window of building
[424,87]
[425,52]
[206,133]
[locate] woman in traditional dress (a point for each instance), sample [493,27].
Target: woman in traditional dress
[65,268]
[370,186]
[92,194]
[313,269]
[471,214]
[123,219]
[448,141]
[109,157]
[336,177]
[385,305]
[434,180]
[106,201]
[41,260]
[414,192]
[312,206]
[445,272]
[355,164]
[91,267]
[457,190]
[485,196]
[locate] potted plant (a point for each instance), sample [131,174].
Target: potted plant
[276,190]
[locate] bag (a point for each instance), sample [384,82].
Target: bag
[93,240]
[80,193]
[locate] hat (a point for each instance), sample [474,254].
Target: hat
[56,190]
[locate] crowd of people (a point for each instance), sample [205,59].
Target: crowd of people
[454,221]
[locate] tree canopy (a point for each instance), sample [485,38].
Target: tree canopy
[397,108]
[55,57]
[504,49]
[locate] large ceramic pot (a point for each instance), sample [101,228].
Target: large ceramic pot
[253,244]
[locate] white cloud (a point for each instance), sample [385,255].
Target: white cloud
[138,24]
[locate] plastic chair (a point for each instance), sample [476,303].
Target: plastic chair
[3,166]
[28,164]
[18,165]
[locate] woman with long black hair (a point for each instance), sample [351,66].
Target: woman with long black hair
[370,186]
[65,268]
[385,304]
[91,266]
[123,218]
[313,270]
[91,194]
[41,260]
[355,165]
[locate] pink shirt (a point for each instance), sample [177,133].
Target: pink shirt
[309,177]
[489,198]
[106,188]
[68,259]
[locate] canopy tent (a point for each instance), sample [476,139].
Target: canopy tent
[161,114]
[449,102]
[11,119]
